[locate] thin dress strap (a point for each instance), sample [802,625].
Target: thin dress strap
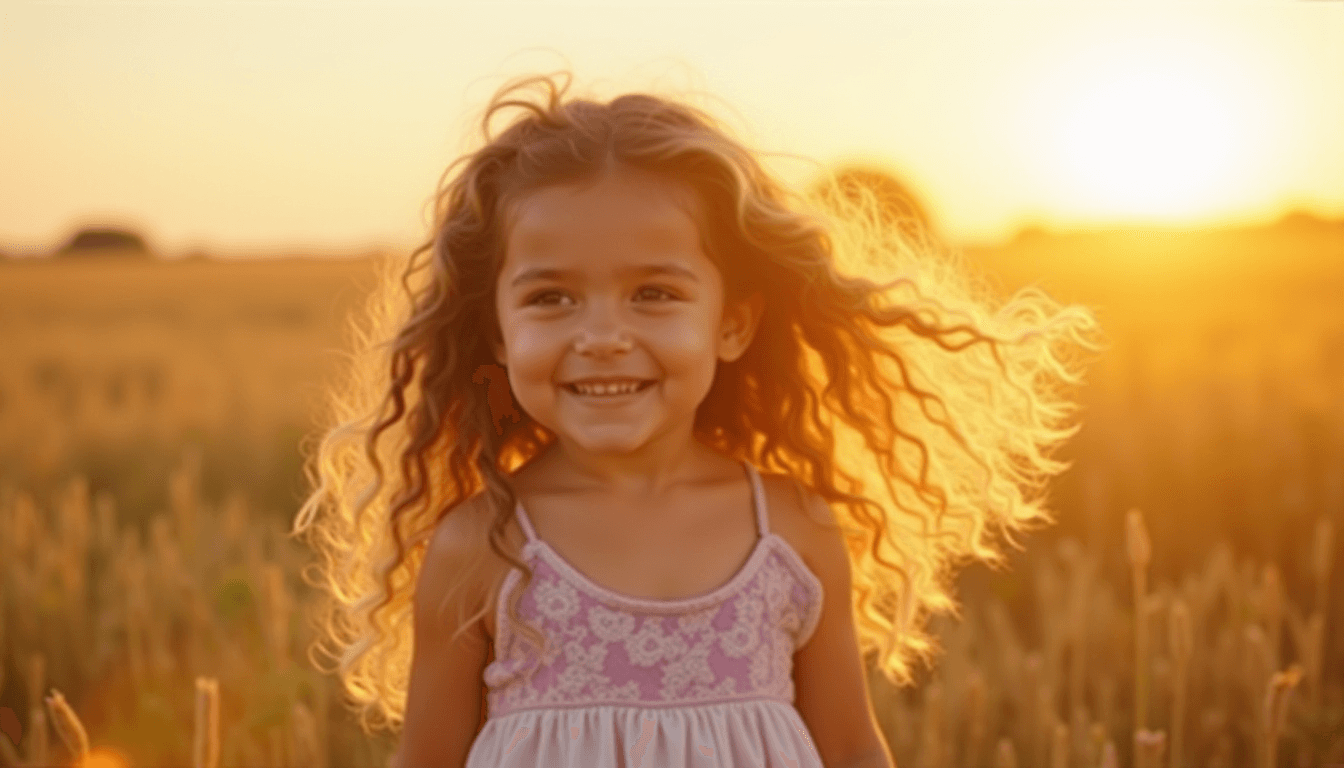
[758,500]
[524,522]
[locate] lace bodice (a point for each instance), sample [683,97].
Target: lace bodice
[733,643]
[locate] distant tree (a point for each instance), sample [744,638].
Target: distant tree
[1302,219]
[897,205]
[1031,233]
[104,241]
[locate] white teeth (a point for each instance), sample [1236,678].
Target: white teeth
[606,389]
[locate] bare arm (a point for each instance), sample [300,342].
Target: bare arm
[831,686]
[443,698]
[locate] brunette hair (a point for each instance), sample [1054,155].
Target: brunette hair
[884,377]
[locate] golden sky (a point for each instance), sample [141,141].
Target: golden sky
[247,126]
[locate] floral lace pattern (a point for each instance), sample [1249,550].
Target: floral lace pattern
[735,643]
[740,646]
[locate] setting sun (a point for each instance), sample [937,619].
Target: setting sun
[1159,128]
[1152,142]
[229,127]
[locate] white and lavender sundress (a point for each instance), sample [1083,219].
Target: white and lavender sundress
[704,681]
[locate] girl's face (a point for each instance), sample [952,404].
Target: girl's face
[607,281]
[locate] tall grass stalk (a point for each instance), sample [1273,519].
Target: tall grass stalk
[1109,757]
[1148,748]
[205,746]
[1059,747]
[68,726]
[305,744]
[1271,610]
[1181,640]
[1322,558]
[1257,670]
[1096,741]
[1047,724]
[1275,710]
[3,654]
[1081,572]
[933,748]
[8,755]
[975,706]
[1140,551]
[1030,701]
[278,605]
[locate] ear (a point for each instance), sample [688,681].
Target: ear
[739,326]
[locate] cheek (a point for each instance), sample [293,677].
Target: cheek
[529,346]
[688,347]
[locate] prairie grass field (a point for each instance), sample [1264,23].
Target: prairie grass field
[1185,610]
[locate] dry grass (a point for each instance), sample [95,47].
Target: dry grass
[146,441]
[1245,706]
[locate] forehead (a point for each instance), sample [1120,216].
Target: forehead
[622,214]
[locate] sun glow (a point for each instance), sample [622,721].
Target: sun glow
[1151,141]
[1152,129]
[103,757]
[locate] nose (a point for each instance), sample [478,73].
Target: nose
[602,343]
[602,335]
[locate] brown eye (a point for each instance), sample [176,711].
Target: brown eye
[657,289]
[536,299]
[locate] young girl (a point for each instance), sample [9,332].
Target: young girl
[676,450]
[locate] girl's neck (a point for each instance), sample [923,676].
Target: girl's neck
[641,476]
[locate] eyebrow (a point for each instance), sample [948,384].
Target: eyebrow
[546,273]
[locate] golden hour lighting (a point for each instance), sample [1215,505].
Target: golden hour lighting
[1151,142]
[1167,130]
[1007,376]
[102,757]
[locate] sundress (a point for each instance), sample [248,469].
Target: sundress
[703,681]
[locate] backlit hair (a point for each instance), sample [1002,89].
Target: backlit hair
[882,376]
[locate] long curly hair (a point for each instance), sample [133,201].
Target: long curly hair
[884,376]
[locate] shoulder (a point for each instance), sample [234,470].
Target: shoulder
[805,520]
[459,565]
[451,557]
[464,529]
[455,535]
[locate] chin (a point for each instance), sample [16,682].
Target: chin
[613,445]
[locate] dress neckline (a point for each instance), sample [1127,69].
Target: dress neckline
[682,603]
[758,552]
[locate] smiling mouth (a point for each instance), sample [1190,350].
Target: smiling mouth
[622,393]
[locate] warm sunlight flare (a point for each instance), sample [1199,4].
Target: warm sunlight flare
[241,128]
[1157,131]
[1150,141]
[104,758]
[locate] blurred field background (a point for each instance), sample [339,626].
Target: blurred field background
[153,418]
